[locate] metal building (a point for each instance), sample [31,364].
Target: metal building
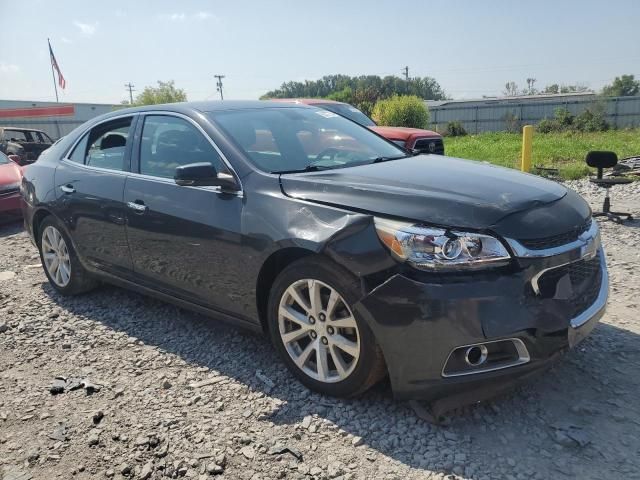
[510,113]
[56,119]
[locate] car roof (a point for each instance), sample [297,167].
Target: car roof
[306,101]
[6,127]
[202,107]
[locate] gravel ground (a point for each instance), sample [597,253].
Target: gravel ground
[177,395]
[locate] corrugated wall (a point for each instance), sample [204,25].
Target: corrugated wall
[56,119]
[505,114]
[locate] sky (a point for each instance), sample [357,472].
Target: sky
[471,47]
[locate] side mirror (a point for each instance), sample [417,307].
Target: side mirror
[15,158]
[204,174]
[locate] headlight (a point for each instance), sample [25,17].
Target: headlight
[432,248]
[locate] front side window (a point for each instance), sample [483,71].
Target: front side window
[290,139]
[4,159]
[169,142]
[106,144]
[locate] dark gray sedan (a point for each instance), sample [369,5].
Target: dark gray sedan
[455,278]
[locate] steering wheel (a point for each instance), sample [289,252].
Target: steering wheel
[330,152]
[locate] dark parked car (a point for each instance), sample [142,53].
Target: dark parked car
[26,143]
[10,179]
[358,260]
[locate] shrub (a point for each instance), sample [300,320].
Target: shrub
[547,125]
[512,122]
[401,111]
[455,129]
[591,121]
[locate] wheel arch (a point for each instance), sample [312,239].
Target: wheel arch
[36,221]
[271,268]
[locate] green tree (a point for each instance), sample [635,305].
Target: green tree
[401,111]
[555,88]
[165,92]
[624,86]
[363,91]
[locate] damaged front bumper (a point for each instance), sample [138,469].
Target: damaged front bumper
[520,319]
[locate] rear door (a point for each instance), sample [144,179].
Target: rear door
[89,186]
[185,241]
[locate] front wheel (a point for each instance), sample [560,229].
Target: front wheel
[317,333]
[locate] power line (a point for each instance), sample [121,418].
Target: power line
[219,85]
[129,86]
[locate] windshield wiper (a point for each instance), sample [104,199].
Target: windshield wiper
[308,168]
[386,159]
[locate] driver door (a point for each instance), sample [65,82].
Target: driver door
[184,241]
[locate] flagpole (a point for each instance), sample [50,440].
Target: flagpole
[53,75]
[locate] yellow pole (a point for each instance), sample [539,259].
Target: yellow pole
[527,140]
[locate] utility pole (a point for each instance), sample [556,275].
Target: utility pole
[405,70]
[129,86]
[219,85]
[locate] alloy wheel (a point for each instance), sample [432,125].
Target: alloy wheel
[56,256]
[319,331]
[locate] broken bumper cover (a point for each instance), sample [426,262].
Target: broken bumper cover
[420,323]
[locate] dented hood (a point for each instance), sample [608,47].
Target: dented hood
[428,188]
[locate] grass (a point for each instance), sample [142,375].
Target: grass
[564,151]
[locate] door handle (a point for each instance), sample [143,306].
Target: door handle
[67,188]
[137,206]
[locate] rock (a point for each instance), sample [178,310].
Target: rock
[3,327]
[315,471]
[248,452]
[215,469]
[141,441]
[335,469]
[306,422]
[59,433]
[147,471]
[94,438]
[166,384]
[97,417]
[357,441]
[16,474]
[6,275]
[124,468]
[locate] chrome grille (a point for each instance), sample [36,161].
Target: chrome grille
[424,146]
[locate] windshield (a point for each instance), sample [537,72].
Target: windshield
[349,111]
[278,140]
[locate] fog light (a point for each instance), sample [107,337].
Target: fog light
[476,355]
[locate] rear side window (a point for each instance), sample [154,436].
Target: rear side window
[169,142]
[104,146]
[80,150]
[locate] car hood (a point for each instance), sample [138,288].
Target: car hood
[10,173]
[404,133]
[445,191]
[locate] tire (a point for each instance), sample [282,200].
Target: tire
[54,241]
[295,332]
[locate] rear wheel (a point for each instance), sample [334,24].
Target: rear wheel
[61,265]
[317,333]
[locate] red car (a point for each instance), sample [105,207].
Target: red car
[10,180]
[424,141]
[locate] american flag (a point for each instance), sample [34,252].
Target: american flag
[61,81]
